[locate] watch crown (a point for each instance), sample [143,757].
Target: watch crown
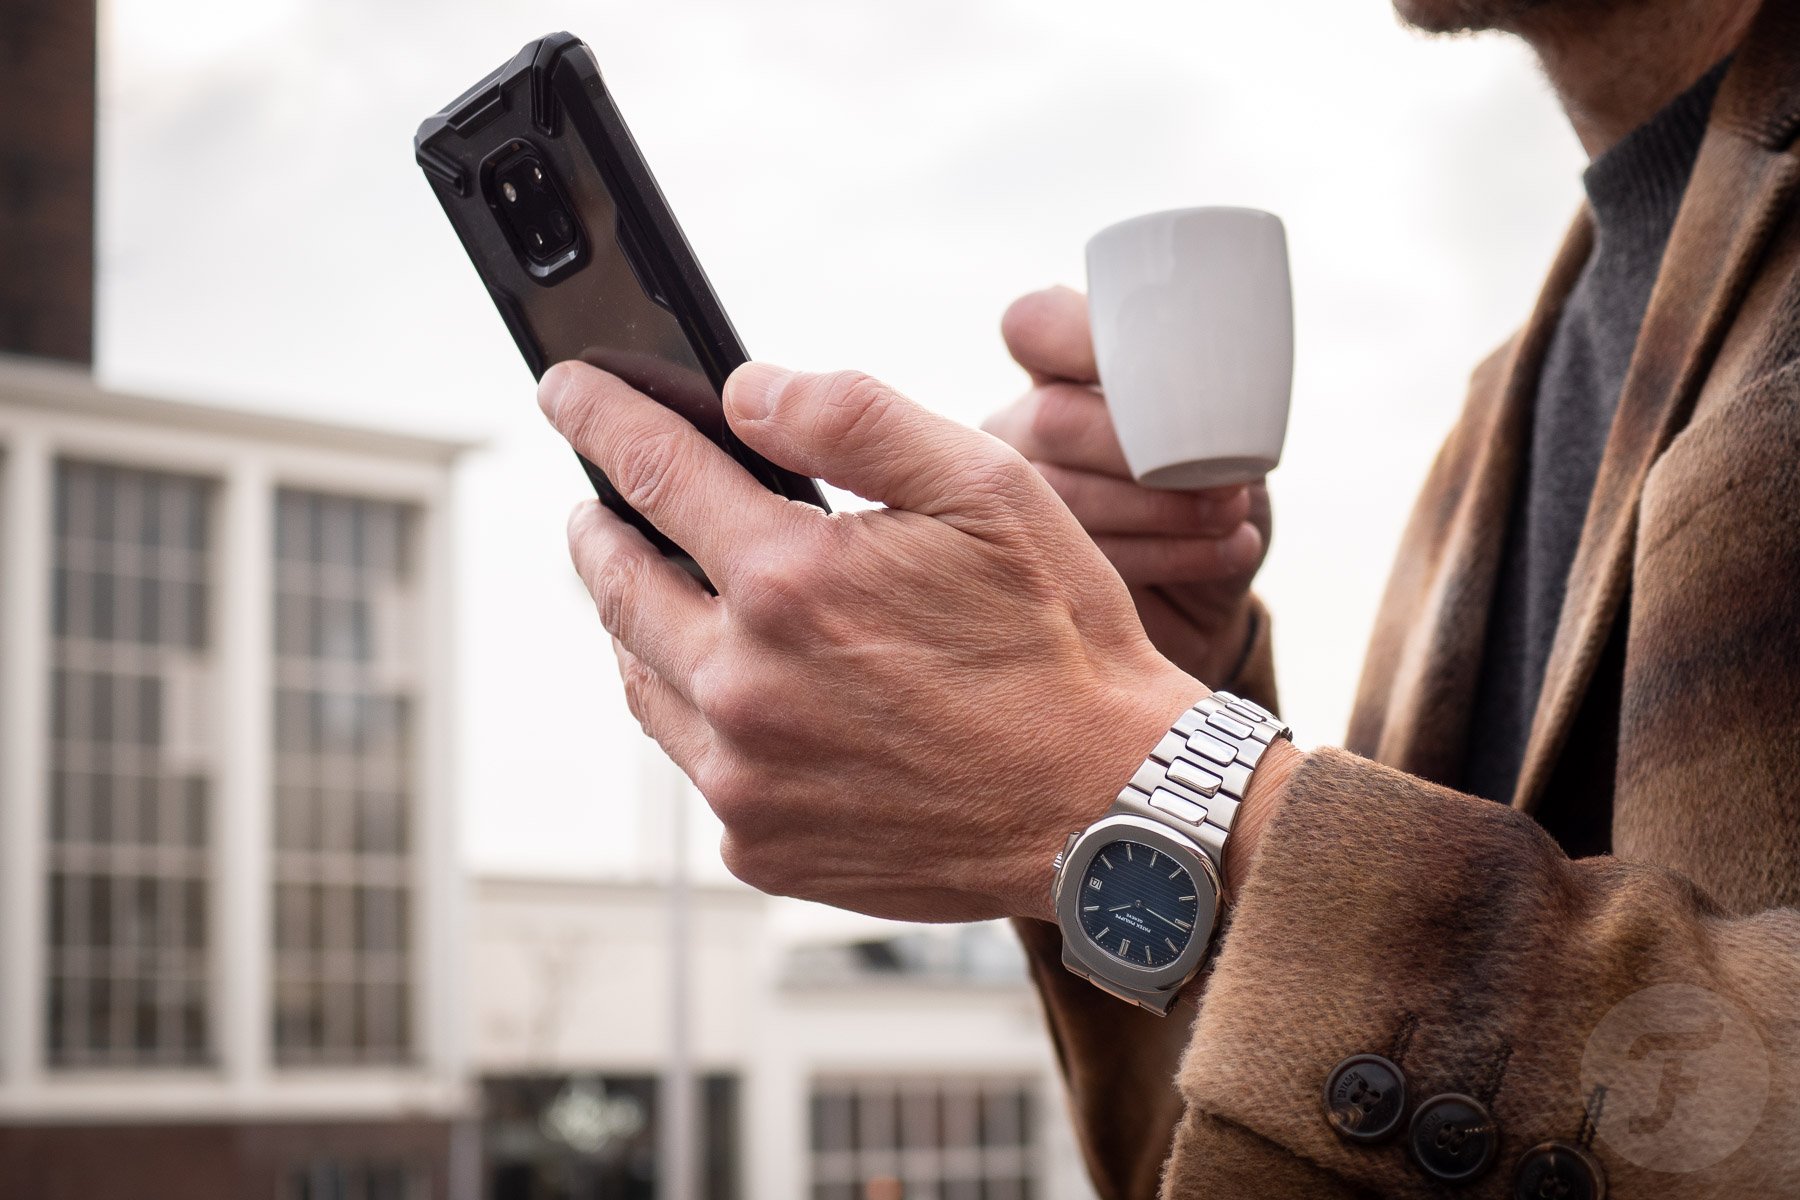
[1057,862]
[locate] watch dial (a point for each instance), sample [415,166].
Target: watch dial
[1138,904]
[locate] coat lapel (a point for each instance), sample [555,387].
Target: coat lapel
[1743,182]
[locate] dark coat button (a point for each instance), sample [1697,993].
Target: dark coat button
[1453,1138]
[1365,1096]
[1559,1171]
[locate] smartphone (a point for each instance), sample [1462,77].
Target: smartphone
[565,225]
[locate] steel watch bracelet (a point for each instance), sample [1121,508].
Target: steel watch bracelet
[1196,777]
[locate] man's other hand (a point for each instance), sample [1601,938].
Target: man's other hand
[1188,557]
[902,711]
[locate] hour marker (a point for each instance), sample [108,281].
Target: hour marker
[1185,927]
[1153,857]
[1173,948]
[1146,954]
[1173,874]
[1101,936]
[1107,861]
[1127,851]
[1090,908]
[1124,946]
[1184,897]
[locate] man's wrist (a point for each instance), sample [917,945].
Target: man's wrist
[1103,766]
[1160,705]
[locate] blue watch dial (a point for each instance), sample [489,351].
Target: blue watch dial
[1138,904]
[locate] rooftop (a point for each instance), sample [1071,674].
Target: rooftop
[42,383]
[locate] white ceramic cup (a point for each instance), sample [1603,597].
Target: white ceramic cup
[1193,324]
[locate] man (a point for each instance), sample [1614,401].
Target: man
[1591,988]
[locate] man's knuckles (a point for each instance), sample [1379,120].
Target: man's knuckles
[739,702]
[748,803]
[779,585]
[639,682]
[999,478]
[647,467]
[613,581]
[845,409]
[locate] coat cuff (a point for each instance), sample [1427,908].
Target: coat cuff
[1386,915]
[1381,915]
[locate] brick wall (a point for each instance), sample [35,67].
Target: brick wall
[47,178]
[251,1161]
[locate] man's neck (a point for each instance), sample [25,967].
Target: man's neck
[1613,65]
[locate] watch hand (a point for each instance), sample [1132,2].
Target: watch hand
[1174,924]
[1120,908]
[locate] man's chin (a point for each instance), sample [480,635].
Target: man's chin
[1462,16]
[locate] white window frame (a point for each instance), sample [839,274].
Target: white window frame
[933,1165]
[49,412]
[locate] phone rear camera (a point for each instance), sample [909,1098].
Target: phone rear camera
[531,207]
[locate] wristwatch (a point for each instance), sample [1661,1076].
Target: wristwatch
[1137,893]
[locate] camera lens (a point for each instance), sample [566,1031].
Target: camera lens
[530,206]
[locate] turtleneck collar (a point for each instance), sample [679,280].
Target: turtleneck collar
[1635,187]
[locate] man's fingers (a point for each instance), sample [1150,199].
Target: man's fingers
[1171,560]
[863,436]
[1063,423]
[651,606]
[1047,333]
[660,464]
[1104,504]
[1173,631]
[664,713]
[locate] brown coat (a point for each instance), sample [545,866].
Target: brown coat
[1655,835]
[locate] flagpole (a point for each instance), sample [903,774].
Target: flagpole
[677,1142]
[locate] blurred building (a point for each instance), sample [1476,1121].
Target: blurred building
[918,1057]
[229,898]
[238,958]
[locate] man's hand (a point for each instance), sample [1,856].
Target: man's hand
[1188,557]
[902,711]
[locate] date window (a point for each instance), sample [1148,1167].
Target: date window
[1094,884]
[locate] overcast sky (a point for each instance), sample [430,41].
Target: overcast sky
[868,186]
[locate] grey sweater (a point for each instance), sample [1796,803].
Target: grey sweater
[1634,190]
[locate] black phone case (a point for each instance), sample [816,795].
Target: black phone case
[631,267]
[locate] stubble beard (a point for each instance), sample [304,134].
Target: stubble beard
[1467,16]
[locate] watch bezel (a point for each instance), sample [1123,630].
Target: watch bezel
[1076,942]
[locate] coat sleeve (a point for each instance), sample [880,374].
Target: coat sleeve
[1592,1002]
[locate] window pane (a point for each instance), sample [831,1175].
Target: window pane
[833,1127]
[342,789]
[958,1136]
[1003,1121]
[128,887]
